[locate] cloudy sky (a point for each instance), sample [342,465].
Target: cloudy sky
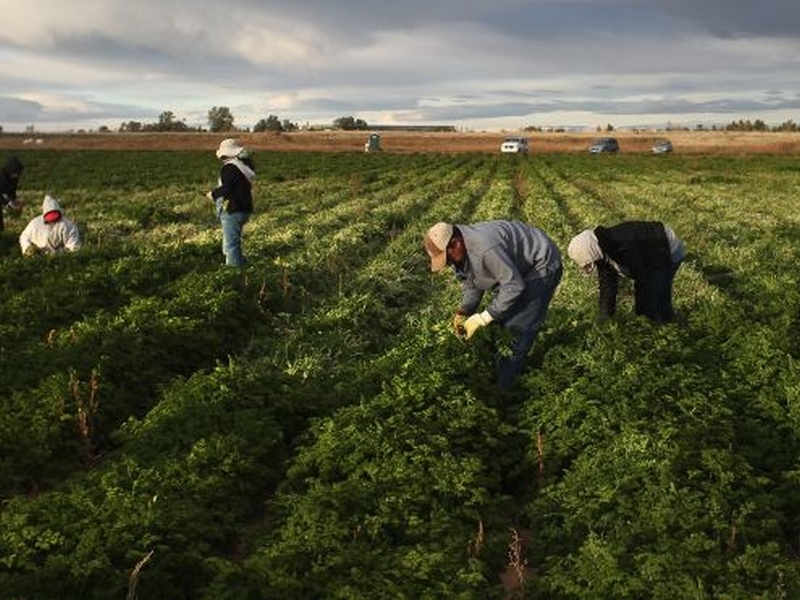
[475,64]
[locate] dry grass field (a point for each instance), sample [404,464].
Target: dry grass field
[685,142]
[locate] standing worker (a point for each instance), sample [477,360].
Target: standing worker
[9,180]
[233,198]
[51,232]
[648,252]
[517,263]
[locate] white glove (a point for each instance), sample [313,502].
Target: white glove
[477,321]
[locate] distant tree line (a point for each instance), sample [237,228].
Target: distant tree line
[166,122]
[743,125]
[740,125]
[220,119]
[759,125]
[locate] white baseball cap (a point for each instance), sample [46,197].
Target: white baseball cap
[436,241]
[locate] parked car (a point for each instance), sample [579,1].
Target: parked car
[605,144]
[517,145]
[662,147]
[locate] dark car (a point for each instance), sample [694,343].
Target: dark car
[606,144]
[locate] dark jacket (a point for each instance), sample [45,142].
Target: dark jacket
[637,248]
[235,187]
[9,179]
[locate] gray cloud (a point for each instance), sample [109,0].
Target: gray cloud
[19,110]
[739,17]
[455,61]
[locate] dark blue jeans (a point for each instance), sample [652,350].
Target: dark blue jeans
[526,323]
[653,294]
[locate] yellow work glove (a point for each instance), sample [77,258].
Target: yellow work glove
[458,325]
[477,321]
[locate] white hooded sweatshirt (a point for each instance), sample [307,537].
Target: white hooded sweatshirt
[54,237]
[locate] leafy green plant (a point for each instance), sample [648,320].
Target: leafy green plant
[309,426]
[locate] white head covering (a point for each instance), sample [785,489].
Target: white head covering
[51,205]
[584,248]
[229,148]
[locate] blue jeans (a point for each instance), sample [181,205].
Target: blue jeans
[526,323]
[232,225]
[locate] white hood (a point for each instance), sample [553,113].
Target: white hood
[50,204]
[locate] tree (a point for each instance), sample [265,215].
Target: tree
[350,124]
[220,119]
[168,122]
[131,126]
[271,123]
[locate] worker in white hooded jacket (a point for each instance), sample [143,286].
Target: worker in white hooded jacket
[51,232]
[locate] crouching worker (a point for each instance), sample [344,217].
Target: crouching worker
[51,232]
[518,264]
[648,252]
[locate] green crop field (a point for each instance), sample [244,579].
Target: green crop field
[309,427]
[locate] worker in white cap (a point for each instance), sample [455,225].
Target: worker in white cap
[518,264]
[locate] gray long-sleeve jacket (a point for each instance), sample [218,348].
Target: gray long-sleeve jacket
[502,256]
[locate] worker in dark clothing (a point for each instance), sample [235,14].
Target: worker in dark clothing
[9,180]
[233,197]
[648,252]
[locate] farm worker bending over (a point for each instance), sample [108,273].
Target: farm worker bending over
[648,252]
[233,197]
[518,264]
[51,232]
[9,180]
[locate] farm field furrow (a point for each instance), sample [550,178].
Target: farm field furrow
[308,426]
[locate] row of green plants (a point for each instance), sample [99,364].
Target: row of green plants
[309,426]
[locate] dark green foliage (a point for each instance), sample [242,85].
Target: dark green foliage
[308,427]
[390,497]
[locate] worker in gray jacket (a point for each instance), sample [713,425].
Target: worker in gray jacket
[518,264]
